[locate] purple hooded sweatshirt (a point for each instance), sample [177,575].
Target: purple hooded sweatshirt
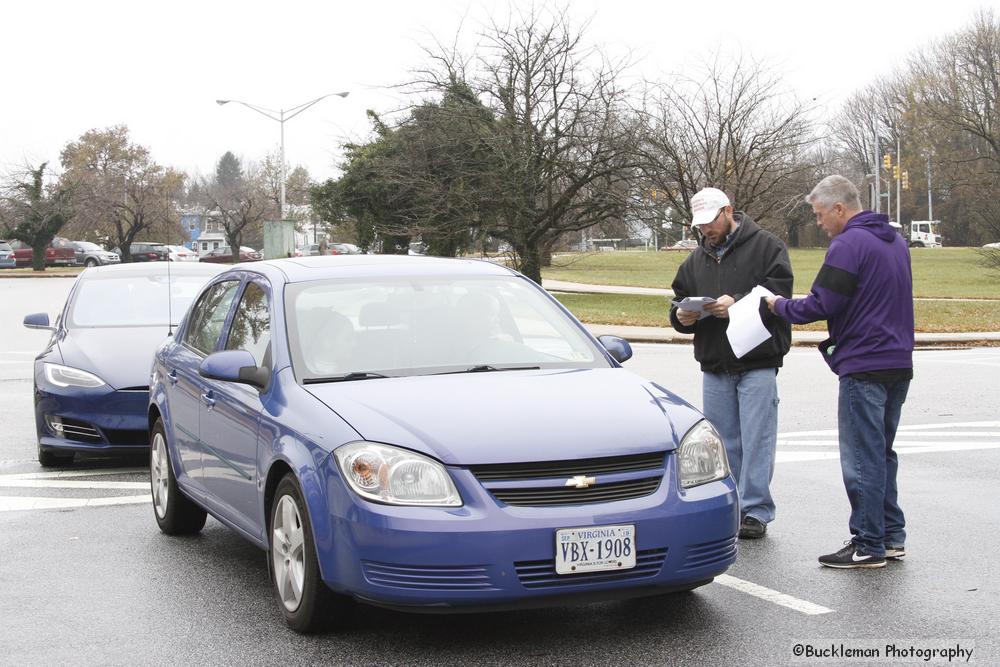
[865,292]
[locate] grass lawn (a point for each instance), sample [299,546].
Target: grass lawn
[937,272]
[651,311]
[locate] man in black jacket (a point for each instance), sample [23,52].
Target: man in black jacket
[740,396]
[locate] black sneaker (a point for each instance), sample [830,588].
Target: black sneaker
[851,557]
[752,528]
[894,552]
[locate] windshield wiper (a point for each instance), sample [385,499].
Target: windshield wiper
[485,368]
[347,377]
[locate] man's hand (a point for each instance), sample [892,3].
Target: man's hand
[721,306]
[771,300]
[686,317]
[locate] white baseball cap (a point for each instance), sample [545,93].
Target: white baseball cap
[705,205]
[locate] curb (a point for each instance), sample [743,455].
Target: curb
[799,338]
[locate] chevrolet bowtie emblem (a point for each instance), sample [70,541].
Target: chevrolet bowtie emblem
[581,481]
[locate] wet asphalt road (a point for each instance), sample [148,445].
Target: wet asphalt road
[101,585]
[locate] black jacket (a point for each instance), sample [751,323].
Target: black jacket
[756,257]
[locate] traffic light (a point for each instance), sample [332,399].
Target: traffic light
[887,161]
[895,172]
[906,180]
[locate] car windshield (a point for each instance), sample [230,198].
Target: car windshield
[428,325]
[88,246]
[132,301]
[5,246]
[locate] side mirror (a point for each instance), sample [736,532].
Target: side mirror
[618,348]
[234,366]
[38,321]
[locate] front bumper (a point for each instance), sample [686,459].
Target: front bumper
[98,419]
[487,555]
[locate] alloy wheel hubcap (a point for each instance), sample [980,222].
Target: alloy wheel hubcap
[159,474]
[288,553]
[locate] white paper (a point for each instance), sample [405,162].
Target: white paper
[746,330]
[695,304]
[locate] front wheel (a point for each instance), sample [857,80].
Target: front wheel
[91,262]
[175,513]
[305,601]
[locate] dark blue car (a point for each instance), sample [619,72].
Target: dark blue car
[429,434]
[92,379]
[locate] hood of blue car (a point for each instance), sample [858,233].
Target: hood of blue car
[121,356]
[514,416]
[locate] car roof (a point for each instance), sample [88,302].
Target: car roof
[319,267]
[153,269]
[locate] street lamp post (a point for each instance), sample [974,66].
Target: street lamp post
[281,117]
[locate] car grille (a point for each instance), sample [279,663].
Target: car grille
[504,481]
[709,553]
[536,574]
[567,495]
[610,464]
[428,577]
[73,429]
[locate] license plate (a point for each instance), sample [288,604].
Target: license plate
[595,549]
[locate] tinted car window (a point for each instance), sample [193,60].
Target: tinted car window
[209,315]
[5,246]
[251,328]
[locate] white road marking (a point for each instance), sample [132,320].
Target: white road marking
[60,474]
[910,439]
[68,484]
[20,503]
[773,596]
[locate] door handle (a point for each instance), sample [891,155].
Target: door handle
[172,376]
[208,399]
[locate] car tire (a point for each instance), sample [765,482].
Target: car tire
[303,598]
[175,513]
[90,262]
[48,458]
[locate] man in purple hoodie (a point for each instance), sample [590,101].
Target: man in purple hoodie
[865,292]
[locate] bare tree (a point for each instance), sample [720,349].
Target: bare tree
[122,193]
[242,201]
[732,129]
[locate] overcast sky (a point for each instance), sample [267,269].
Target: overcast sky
[159,67]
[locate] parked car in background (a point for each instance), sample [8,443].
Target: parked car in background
[7,259]
[993,246]
[417,248]
[308,249]
[342,416]
[224,255]
[344,249]
[91,254]
[179,253]
[91,383]
[686,244]
[59,253]
[149,252]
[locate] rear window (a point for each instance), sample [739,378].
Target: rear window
[5,246]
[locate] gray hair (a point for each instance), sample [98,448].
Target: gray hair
[835,190]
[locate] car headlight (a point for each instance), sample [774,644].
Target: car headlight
[396,476]
[65,376]
[702,456]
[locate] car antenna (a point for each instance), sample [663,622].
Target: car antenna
[170,315]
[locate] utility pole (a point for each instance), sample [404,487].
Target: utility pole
[899,167]
[930,199]
[878,188]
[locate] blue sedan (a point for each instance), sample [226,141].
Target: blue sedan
[92,379]
[429,435]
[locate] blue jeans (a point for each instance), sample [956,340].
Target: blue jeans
[743,408]
[868,415]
